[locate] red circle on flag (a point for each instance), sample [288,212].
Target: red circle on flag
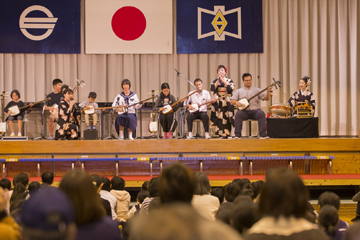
[128,23]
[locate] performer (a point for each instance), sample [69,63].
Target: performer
[167,122]
[253,111]
[198,98]
[87,104]
[129,119]
[68,119]
[303,95]
[222,112]
[15,96]
[52,105]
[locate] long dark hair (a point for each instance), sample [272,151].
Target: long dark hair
[164,86]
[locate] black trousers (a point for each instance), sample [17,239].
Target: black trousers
[258,115]
[166,121]
[199,115]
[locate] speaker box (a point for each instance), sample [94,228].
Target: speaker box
[90,134]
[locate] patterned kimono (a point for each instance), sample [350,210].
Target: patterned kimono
[222,112]
[67,123]
[306,97]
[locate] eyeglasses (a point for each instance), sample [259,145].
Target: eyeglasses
[247,80]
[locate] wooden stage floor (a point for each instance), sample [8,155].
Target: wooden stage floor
[345,169]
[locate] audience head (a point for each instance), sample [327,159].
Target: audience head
[202,184]
[243,199]
[34,187]
[106,184]
[244,216]
[257,187]
[142,195]
[219,193]
[231,191]
[86,201]
[117,183]
[225,212]
[329,198]
[145,186]
[48,214]
[47,178]
[95,179]
[153,186]
[284,194]
[21,178]
[5,183]
[247,190]
[328,219]
[177,184]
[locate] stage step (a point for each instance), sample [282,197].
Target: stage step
[24,138]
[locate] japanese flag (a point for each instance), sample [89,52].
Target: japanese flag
[128,26]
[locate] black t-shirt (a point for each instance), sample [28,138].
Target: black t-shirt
[55,98]
[19,104]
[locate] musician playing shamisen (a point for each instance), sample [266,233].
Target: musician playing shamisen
[15,95]
[253,111]
[126,118]
[197,105]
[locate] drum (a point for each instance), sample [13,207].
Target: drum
[221,91]
[280,110]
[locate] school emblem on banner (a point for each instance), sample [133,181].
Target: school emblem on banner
[40,26]
[227,26]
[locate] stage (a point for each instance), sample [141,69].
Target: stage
[320,161]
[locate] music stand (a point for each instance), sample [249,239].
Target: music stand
[42,136]
[112,136]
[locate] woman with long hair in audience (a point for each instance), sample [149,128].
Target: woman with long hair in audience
[204,203]
[90,216]
[328,221]
[282,207]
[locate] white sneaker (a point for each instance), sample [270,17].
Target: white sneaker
[266,137]
[131,138]
[12,135]
[120,138]
[207,136]
[19,134]
[190,136]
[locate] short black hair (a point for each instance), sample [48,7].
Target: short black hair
[92,95]
[56,81]
[153,186]
[34,186]
[95,179]
[16,92]
[219,193]
[231,191]
[5,183]
[66,89]
[165,86]
[125,81]
[246,75]
[106,184]
[142,195]
[197,80]
[145,186]
[244,216]
[225,212]
[329,198]
[21,178]
[47,177]
[117,183]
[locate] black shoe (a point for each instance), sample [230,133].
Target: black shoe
[357,218]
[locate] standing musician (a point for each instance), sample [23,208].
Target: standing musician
[55,96]
[198,98]
[167,122]
[15,96]
[222,112]
[303,95]
[253,111]
[127,119]
[68,122]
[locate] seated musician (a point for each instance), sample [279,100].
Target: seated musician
[68,121]
[198,99]
[87,105]
[15,96]
[302,96]
[126,119]
[167,122]
[253,111]
[52,105]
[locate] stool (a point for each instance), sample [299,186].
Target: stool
[197,121]
[249,121]
[91,121]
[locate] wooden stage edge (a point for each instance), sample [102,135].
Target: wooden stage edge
[179,146]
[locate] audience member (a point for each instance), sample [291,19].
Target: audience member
[353,232]
[6,185]
[204,203]
[48,215]
[225,212]
[219,193]
[328,221]
[34,187]
[145,186]
[122,198]
[95,179]
[105,194]
[90,215]
[243,199]
[231,191]
[47,179]
[178,221]
[139,200]
[19,178]
[153,192]
[9,229]
[282,206]
[244,216]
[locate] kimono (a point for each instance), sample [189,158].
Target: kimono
[67,123]
[306,97]
[222,112]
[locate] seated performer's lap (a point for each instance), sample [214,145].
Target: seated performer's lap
[128,120]
[242,115]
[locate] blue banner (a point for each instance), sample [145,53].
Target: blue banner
[40,26]
[219,26]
